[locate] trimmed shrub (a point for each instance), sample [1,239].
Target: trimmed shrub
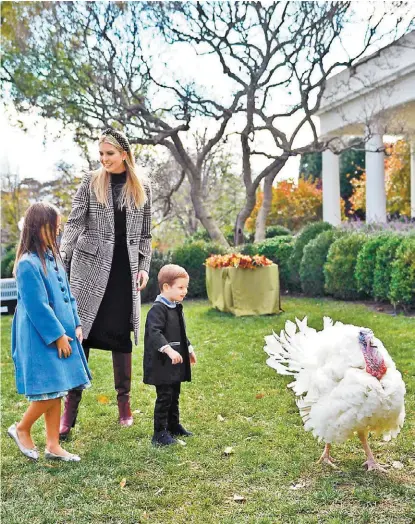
[307,234]
[339,270]
[383,266]
[279,250]
[7,262]
[366,262]
[312,263]
[158,260]
[402,285]
[192,257]
[276,231]
[247,249]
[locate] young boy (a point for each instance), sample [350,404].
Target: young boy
[168,353]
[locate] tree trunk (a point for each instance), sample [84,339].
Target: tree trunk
[261,220]
[206,219]
[243,215]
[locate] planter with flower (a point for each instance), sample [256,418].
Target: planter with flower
[243,284]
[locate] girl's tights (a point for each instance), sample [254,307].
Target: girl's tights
[51,409]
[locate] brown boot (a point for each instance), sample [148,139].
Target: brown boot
[122,382]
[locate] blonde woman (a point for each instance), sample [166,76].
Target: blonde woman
[106,246]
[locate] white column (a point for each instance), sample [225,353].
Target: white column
[331,188]
[375,178]
[413,178]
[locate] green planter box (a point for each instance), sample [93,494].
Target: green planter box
[244,291]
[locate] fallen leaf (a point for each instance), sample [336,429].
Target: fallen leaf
[220,418]
[228,451]
[159,491]
[181,442]
[260,395]
[397,465]
[145,515]
[239,498]
[123,483]
[103,399]
[299,485]
[138,411]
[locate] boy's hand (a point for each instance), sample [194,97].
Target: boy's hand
[79,334]
[176,358]
[64,348]
[192,357]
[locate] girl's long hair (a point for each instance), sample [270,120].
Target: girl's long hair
[133,192]
[39,233]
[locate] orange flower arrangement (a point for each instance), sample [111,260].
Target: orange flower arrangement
[237,260]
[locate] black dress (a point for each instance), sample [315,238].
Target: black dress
[111,329]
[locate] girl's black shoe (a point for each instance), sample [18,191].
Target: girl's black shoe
[163,438]
[179,431]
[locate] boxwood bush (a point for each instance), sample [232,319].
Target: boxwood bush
[366,262]
[312,263]
[279,249]
[402,285]
[247,249]
[192,257]
[339,270]
[276,231]
[383,266]
[307,234]
[7,262]
[158,260]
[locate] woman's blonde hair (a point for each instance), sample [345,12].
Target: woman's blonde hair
[133,192]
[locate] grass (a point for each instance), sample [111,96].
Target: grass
[197,483]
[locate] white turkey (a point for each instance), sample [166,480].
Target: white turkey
[345,380]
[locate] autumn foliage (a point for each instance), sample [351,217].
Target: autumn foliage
[237,260]
[293,205]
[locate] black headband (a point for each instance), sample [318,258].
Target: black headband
[119,137]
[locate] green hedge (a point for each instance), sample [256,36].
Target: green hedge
[7,261]
[307,234]
[247,249]
[276,231]
[339,270]
[383,266]
[192,257]
[158,260]
[279,250]
[312,263]
[366,262]
[402,286]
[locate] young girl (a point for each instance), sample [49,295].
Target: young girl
[46,333]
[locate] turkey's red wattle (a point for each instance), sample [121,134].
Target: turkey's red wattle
[377,370]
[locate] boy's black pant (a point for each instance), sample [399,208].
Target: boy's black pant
[166,410]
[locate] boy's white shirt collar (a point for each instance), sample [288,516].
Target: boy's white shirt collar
[161,298]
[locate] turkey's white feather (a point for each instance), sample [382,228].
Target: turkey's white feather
[336,395]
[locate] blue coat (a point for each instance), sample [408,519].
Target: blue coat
[45,311]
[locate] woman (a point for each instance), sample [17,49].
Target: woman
[106,245]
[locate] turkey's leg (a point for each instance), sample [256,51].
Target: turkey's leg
[326,458]
[370,463]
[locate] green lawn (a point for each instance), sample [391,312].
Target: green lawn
[271,452]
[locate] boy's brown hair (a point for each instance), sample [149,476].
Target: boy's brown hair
[169,273]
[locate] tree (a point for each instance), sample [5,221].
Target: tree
[293,205]
[85,64]
[267,53]
[14,202]
[173,210]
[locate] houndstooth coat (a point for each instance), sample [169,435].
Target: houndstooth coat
[87,248]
